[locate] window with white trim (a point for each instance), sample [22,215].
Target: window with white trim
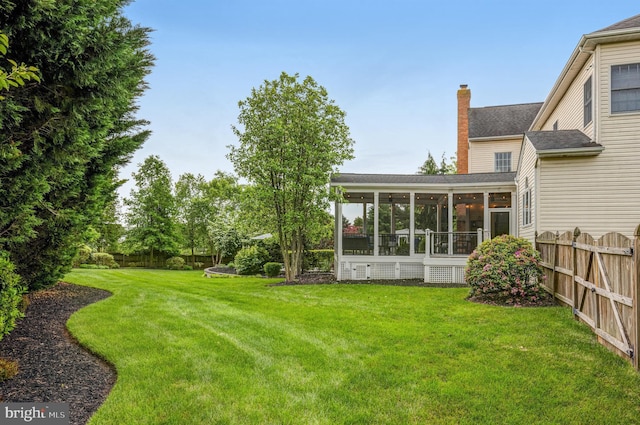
[625,88]
[526,207]
[588,108]
[502,162]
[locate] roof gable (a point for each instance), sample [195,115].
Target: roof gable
[498,121]
[632,22]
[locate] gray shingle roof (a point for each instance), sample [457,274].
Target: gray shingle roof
[506,120]
[632,22]
[439,179]
[560,140]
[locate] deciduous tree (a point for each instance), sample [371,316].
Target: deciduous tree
[193,211]
[292,137]
[18,74]
[152,211]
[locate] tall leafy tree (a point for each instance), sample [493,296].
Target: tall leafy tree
[292,136]
[152,211]
[224,228]
[62,140]
[193,210]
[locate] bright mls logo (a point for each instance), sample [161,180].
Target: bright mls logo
[35,413]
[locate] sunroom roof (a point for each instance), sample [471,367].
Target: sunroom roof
[434,179]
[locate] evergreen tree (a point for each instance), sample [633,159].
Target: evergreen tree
[431,167]
[62,140]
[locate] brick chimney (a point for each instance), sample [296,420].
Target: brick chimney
[464,101]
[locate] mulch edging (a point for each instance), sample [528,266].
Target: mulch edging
[53,367]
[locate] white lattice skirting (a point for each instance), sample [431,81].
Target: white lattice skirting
[431,273]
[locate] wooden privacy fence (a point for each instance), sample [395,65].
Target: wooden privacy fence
[599,279]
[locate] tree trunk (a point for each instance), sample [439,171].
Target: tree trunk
[292,255]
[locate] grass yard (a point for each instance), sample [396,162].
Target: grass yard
[191,350]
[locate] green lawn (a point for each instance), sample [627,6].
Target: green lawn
[191,350]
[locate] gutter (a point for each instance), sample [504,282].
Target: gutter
[495,138]
[556,153]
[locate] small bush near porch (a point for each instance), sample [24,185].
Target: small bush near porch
[506,270]
[190,350]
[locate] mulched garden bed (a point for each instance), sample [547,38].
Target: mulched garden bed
[53,368]
[329,278]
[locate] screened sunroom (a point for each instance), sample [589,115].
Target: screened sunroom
[417,226]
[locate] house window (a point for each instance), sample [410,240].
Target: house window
[625,88]
[588,114]
[526,207]
[503,162]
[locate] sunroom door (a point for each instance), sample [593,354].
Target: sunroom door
[500,223]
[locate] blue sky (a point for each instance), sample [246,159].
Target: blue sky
[393,66]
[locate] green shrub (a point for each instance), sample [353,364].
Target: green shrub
[198,265]
[187,267]
[250,260]
[82,256]
[230,265]
[175,263]
[321,259]
[93,266]
[272,269]
[104,259]
[10,296]
[506,270]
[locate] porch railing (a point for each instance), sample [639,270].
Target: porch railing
[452,243]
[393,244]
[431,244]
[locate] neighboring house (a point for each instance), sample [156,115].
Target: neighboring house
[570,161]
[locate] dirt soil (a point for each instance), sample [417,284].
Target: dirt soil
[53,367]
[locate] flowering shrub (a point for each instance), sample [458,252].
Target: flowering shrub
[506,270]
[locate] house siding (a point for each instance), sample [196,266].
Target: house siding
[598,194]
[527,173]
[618,173]
[482,154]
[570,110]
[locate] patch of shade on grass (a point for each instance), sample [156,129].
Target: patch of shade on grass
[238,351]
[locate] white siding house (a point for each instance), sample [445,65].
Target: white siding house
[592,184]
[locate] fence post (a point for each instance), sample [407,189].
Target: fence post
[554,284]
[574,284]
[479,238]
[636,308]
